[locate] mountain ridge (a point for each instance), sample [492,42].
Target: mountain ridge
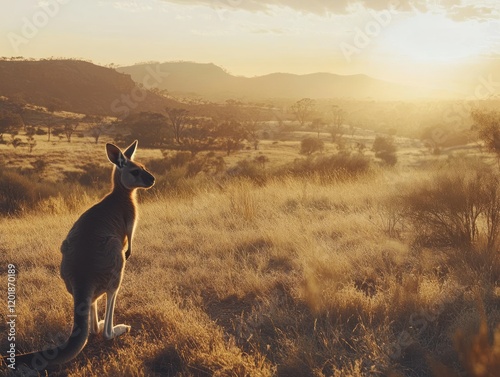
[212,81]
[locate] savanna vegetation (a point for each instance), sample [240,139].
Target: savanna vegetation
[374,255]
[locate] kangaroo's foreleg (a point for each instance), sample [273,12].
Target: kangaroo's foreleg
[111,331]
[130,235]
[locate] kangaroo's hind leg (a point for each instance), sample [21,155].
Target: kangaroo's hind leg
[110,278]
[96,326]
[111,331]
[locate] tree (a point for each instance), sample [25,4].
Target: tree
[316,125]
[51,108]
[231,135]
[253,126]
[279,112]
[385,149]
[337,117]
[70,126]
[201,135]
[148,127]
[178,119]
[9,122]
[303,110]
[18,107]
[230,128]
[30,137]
[487,126]
[99,126]
[310,145]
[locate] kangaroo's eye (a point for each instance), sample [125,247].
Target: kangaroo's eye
[135,173]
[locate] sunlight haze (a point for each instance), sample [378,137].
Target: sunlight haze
[390,40]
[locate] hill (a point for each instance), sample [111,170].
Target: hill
[211,81]
[76,86]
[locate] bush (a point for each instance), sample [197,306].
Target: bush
[40,132]
[92,176]
[311,145]
[458,206]
[385,149]
[177,160]
[181,172]
[342,165]
[19,193]
[249,169]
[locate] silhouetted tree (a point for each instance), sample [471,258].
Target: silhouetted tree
[487,126]
[30,137]
[9,122]
[303,110]
[98,126]
[253,125]
[179,119]
[200,135]
[70,126]
[231,135]
[316,125]
[148,127]
[337,119]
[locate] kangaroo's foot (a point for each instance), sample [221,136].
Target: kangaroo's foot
[116,331]
[97,327]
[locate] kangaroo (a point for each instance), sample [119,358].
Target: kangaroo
[93,259]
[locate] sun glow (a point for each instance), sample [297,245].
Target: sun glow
[433,37]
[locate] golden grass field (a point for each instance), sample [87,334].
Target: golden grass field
[294,277]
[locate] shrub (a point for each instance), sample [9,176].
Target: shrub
[182,172]
[385,149]
[19,192]
[92,176]
[458,206]
[389,158]
[249,169]
[177,160]
[342,165]
[311,145]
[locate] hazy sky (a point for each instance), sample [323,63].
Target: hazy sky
[390,39]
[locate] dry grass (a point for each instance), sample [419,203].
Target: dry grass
[292,278]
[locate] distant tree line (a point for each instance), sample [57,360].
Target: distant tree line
[226,129]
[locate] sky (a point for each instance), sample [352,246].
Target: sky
[395,40]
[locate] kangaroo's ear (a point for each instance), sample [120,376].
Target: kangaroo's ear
[115,155]
[130,151]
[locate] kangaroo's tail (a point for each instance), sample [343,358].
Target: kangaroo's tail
[40,360]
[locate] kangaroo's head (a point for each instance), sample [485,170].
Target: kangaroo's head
[130,174]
